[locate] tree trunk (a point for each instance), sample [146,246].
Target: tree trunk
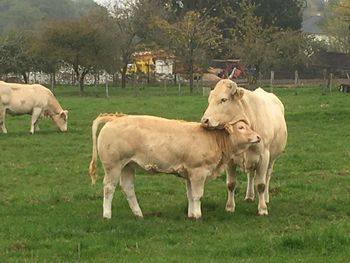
[81,84]
[191,76]
[123,72]
[25,78]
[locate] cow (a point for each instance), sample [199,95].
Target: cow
[158,145]
[34,99]
[344,88]
[264,113]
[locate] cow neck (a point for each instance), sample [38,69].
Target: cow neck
[243,108]
[54,107]
[225,145]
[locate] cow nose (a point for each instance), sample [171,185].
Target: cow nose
[259,139]
[205,121]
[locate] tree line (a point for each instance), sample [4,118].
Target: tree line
[265,34]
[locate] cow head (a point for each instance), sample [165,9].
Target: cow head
[60,120]
[224,105]
[242,136]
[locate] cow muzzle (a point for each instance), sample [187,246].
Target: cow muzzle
[208,124]
[255,140]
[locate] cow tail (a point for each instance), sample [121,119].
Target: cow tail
[102,118]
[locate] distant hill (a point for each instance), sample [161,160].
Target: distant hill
[26,15]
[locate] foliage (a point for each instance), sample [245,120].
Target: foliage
[83,43]
[49,212]
[337,23]
[193,39]
[126,28]
[27,15]
[16,56]
[286,14]
[265,47]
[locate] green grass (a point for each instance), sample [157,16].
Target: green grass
[49,212]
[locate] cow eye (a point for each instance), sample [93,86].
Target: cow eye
[241,127]
[223,100]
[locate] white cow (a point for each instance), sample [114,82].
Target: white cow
[35,99]
[155,144]
[264,113]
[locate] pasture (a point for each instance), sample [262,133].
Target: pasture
[49,211]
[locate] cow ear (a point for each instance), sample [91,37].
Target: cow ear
[239,93]
[64,114]
[229,128]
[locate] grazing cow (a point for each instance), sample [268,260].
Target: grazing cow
[155,144]
[264,113]
[344,88]
[35,99]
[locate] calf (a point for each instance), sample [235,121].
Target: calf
[161,145]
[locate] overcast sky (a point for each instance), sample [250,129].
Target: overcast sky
[103,2]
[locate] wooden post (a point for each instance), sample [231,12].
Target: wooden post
[52,82]
[165,87]
[272,78]
[296,78]
[179,87]
[106,82]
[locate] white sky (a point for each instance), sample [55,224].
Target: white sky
[102,2]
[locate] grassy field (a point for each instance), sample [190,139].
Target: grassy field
[49,212]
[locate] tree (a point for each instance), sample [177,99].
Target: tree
[15,55]
[264,47]
[337,25]
[78,42]
[292,49]
[125,27]
[193,39]
[286,14]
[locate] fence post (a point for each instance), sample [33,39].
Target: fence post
[52,82]
[272,78]
[330,82]
[106,82]
[165,87]
[296,78]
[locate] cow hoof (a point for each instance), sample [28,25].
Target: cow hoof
[107,216]
[263,212]
[249,199]
[193,217]
[230,209]
[138,215]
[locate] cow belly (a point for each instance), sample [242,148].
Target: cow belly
[19,110]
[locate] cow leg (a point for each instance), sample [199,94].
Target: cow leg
[35,119]
[249,195]
[260,182]
[110,182]
[268,177]
[189,197]
[127,185]
[231,186]
[2,119]
[197,185]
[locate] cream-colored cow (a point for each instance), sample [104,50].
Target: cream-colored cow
[35,99]
[264,113]
[155,144]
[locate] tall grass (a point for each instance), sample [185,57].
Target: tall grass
[49,212]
